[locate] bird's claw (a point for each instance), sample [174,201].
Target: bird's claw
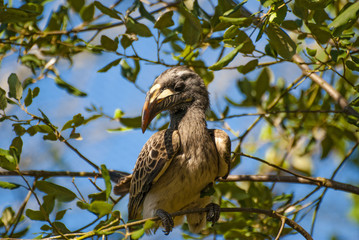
[213,212]
[167,220]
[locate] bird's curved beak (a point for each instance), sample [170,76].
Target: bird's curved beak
[156,102]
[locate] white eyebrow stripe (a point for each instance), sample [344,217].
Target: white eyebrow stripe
[182,72]
[154,88]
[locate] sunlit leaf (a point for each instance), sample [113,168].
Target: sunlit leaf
[7,160]
[15,88]
[100,208]
[349,14]
[3,102]
[8,185]
[226,59]
[241,22]
[106,178]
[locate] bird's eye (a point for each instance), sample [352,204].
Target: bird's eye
[179,86]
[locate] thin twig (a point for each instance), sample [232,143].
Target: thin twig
[270,213]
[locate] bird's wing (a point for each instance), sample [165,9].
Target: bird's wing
[154,159]
[223,145]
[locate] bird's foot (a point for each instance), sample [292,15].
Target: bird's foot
[167,220]
[213,212]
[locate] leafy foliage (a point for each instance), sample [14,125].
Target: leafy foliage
[299,117]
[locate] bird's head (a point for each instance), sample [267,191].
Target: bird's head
[176,89]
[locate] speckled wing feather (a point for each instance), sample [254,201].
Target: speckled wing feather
[154,159]
[223,145]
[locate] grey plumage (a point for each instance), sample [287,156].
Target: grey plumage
[176,164]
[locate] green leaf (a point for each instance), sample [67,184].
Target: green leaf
[39,128]
[15,88]
[165,20]
[131,122]
[35,92]
[231,32]
[314,4]
[110,65]
[45,227]
[192,28]
[60,214]
[321,33]
[226,59]
[281,42]
[35,215]
[28,99]
[250,66]
[77,4]
[49,203]
[311,52]
[8,185]
[100,208]
[62,227]
[149,224]
[7,160]
[138,233]
[290,25]
[100,196]
[278,14]
[61,193]
[144,13]
[349,14]
[262,82]
[3,102]
[137,28]
[82,205]
[17,15]
[241,22]
[107,11]
[76,121]
[16,147]
[7,217]
[108,44]
[118,114]
[88,12]
[18,129]
[69,88]
[106,178]
[352,65]
[128,72]
[127,40]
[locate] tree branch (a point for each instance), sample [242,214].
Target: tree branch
[318,181]
[332,92]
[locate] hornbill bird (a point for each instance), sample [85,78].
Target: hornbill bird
[177,164]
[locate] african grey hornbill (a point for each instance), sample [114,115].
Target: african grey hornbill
[176,164]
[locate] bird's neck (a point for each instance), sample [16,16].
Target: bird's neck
[191,125]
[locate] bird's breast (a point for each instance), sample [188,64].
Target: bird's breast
[181,185]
